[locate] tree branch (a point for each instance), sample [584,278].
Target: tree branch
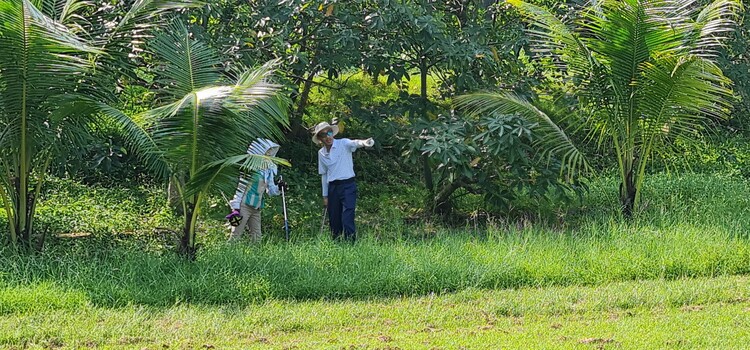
[303,79]
[309,34]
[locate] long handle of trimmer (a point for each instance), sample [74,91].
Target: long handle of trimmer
[283,204]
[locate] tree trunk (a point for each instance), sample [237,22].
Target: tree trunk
[427,173]
[38,238]
[187,242]
[305,95]
[426,170]
[304,77]
[375,78]
[298,131]
[627,194]
[442,200]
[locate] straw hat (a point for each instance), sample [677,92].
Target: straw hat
[322,126]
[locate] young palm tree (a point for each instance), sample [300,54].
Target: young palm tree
[206,122]
[644,74]
[39,61]
[46,57]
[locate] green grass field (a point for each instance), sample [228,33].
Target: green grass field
[707,313]
[675,277]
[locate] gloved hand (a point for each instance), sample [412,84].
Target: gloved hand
[282,185]
[234,217]
[369,142]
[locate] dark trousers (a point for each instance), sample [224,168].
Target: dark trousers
[342,202]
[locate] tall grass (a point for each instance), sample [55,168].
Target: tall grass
[691,226]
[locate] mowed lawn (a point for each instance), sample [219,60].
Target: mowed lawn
[707,313]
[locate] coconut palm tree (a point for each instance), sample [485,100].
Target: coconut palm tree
[643,75]
[46,59]
[207,119]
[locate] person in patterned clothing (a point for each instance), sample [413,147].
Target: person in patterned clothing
[248,198]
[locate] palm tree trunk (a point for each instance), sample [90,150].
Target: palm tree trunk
[187,243]
[9,212]
[626,160]
[628,193]
[21,210]
[33,198]
[23,170]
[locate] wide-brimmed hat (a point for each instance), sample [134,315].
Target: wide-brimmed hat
[322,126]
[261,146]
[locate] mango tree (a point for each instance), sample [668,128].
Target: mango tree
[316,40]
[443,40]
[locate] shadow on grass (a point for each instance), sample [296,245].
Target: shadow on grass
[689,226]
[110,274]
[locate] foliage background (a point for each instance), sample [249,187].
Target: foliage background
[387,69]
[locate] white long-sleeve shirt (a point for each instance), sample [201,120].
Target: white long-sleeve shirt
[337,164]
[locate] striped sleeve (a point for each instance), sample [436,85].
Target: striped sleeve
[238,193]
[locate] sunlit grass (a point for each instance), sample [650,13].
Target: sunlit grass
[691,226]
[324,269]
[684,313]
[674,277]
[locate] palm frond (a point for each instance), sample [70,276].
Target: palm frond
[86,109]
[266,118]
[199,119]
[683,95]
[265,108]
[7,135]
[34,43]
[40,58]
[145,11]
[65,10]
[187,65]
[713,26]
[554,140]
[255,85]
[214,121]
[125,38]
[553,37]
[619,39]
[222,174]
[131,31]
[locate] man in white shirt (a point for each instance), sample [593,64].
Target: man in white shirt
[336,170]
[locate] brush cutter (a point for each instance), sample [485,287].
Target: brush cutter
[234,217]
[283,203]
[323,220]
